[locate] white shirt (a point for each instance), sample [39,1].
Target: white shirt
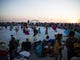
[25,53]
[46,46]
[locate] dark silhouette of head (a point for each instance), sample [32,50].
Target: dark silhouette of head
[58,36]
[12,37]
[27,39]
[71,34]
[47,37]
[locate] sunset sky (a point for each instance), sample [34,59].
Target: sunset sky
[42,10]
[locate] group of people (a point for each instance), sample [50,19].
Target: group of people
[50,47]
[54,47]
[47,47]
[42,48]
[15,52]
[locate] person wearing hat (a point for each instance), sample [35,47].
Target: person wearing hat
[70,45]
[12,47]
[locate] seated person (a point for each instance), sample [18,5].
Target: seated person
[39,49]
[26,45]
[3,51]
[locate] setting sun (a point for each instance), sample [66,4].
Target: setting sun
[74,20]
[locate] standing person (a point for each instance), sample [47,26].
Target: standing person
[28,22]
[46,31]
[22,26]
[70,45]
[57,48]
[12,48]
[17,29]
[11,27]
[5,25]
[35,31]
[18,45]
[26,31]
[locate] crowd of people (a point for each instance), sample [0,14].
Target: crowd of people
[42,48]
[74,26]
